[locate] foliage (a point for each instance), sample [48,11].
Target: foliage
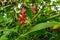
[44,25]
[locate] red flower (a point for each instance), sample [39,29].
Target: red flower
[23,11]
[23,22]
[19,19]
[22,16]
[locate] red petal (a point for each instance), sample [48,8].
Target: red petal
[23,22]
[22,17]
[19,19]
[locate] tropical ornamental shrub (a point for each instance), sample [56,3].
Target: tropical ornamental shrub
[29,19]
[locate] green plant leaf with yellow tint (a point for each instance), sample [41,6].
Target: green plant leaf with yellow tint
[56,26]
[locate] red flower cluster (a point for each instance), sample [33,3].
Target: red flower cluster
[22,16]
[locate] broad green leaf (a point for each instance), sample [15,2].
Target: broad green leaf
[40,26]
[39,32]
[56,26]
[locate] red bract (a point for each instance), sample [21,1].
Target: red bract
[19,19]
[22,16]
[23,11]
[23,22]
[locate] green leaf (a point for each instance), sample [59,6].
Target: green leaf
[40,26]
[26,0]
[4,6]
[40,32]
[38,1]
[9,20]
[2,19]
[47,19]
[29,13]
[5,38]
